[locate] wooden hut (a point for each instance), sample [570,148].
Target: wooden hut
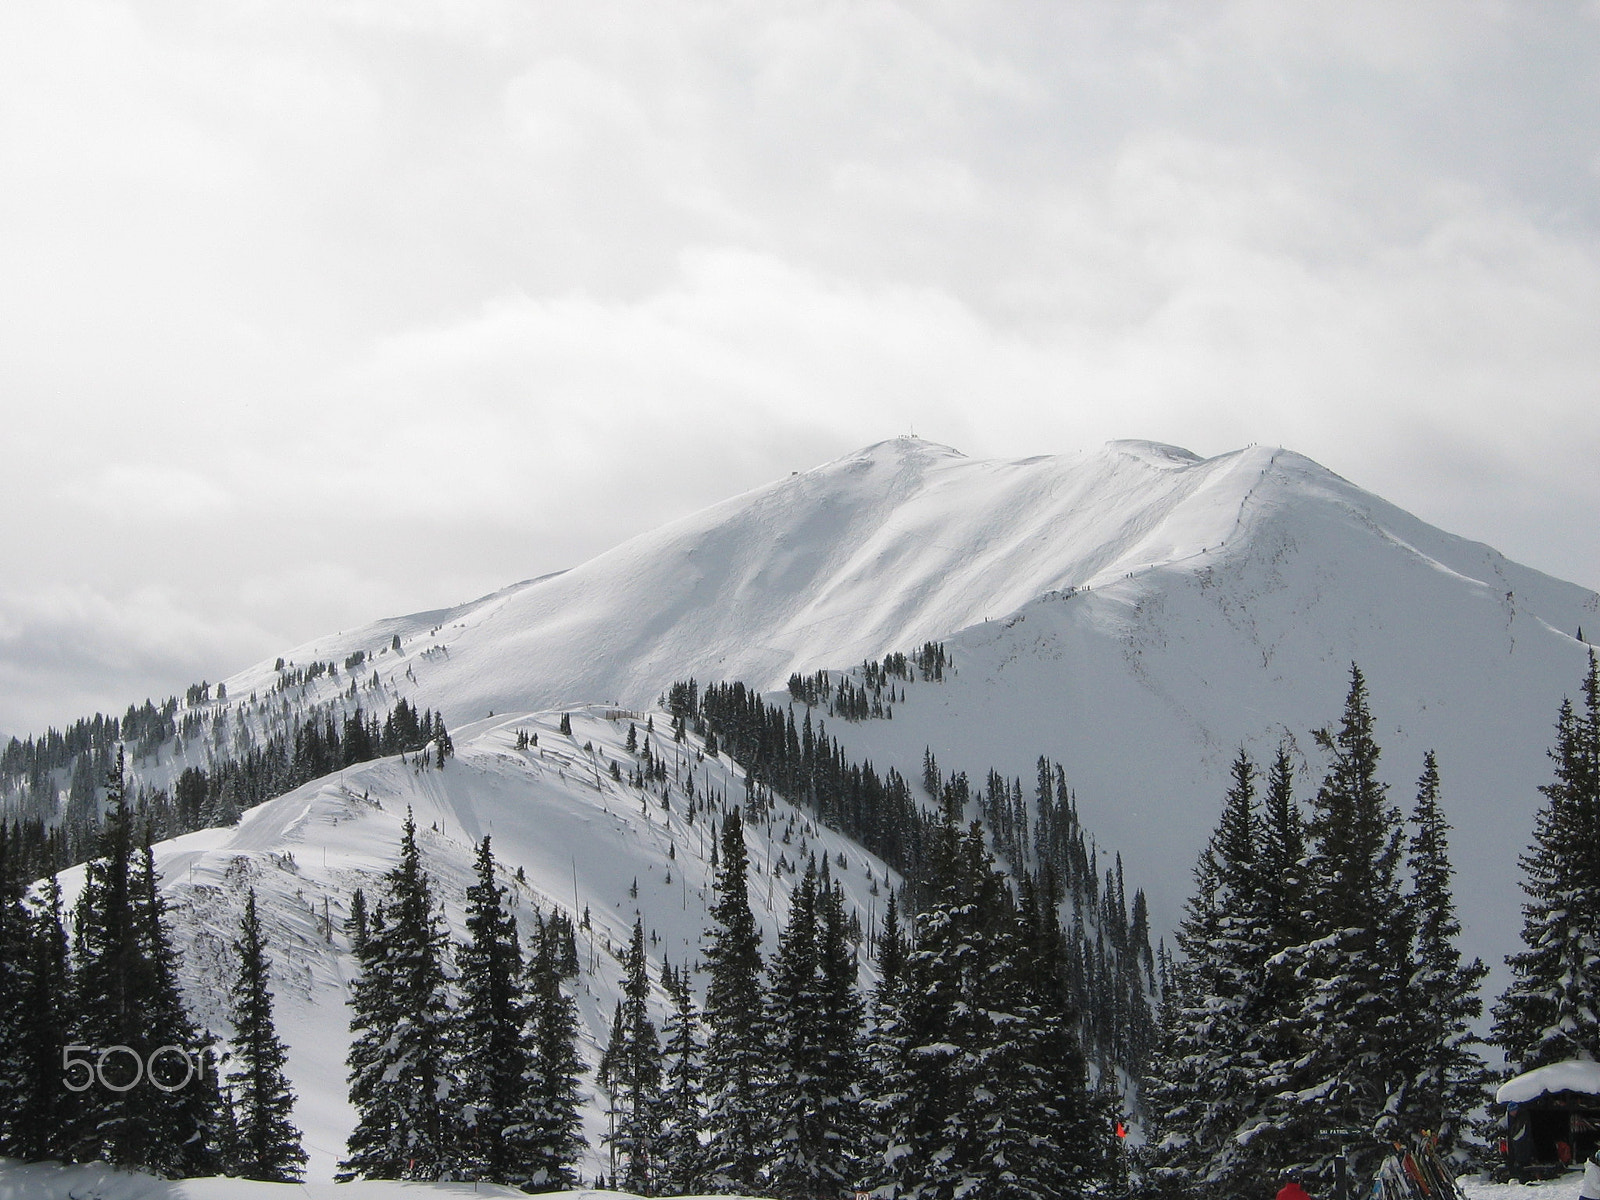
[1552,1118]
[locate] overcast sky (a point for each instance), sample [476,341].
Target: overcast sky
[316,312]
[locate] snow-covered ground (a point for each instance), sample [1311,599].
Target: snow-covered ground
[20,1181]
[88,1182]
[1565,1188]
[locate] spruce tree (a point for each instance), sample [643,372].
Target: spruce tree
[791,1022]
[814,1022]
[1447,1079]
[401,1075]
[891,946]
[1551,1009]
[840,1048]
[1357,953]
[42,1110]
[112,978]
[551,1122]
[15,974]
[490,1038]
[184,1117]
[979,1084]
[1210,1088]
[267,1144]
[126,995]
[735,1051]
[681,1160]
[631,1073]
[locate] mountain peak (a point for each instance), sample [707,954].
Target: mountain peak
[904,448]
[1156,453]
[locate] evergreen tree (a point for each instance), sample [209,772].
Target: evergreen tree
[980,1089]
[400,1071]
[15,973]
[681,1158]
[355,926]
[127,995]
[1210,1089]
[631,1073]
[891,946]
[1447,1079]
[1551,1010]
[112,978]
[794,1082]
[267,1142]
[1357,954]
[491,1043]
[186,1121]
[735,1122]
[551,1114]
[840,1049]
[40,1108]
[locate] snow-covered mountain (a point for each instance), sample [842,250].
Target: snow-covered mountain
[1136,613]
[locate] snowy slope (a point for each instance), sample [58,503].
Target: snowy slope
[1135,613]
[902,542]
[1146,684]
[584,841]
[93,1181]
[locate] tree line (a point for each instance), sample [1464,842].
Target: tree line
[200,798]
[100,1059]
[1105,951]
[960,1074]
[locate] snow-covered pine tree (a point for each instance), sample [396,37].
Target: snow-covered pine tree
[267,1144]
[1068,1144]
[792,1083]
[400,1070]
[1357,956]
[814,1028]
[125,972]
[1447,1077]
[112,977]
[681,1160]
[839,1047]
[187,1124]
[40,1109]
[1551,1009]
[1209,1090]
[631,1074]
[15,974]
[735,1050]
[490,1041]
[974,1081]
[552,1098]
